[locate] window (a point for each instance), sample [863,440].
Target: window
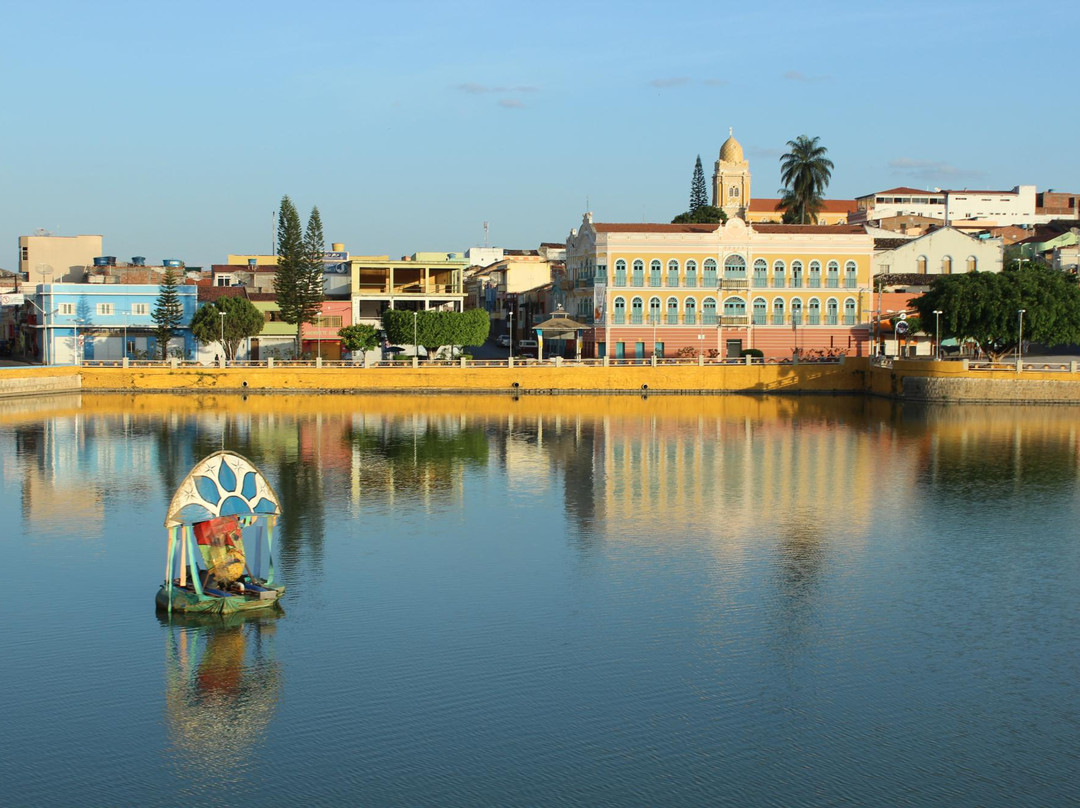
[832,311]
[654,311]
[946,265]
[920,265]
[734,307]
[620,273]
[620,311]
[273,317]
[733,192]
[672,311]
[638,278]
[637,311]
[813,312]
[708,273]
[654,273]
[105,308]
[734,267]
[796,311]
[849,311]
[140,308]
[328,321]
[972,263]
[65,308]
[778,311]
[851,275]
[832,274]
[761,272]
[600,273]
[224,280]
[815,275]
[690,308]
[673,273]
[778,274]
[25,253]
[796,274]
[760,311]
[691,274]
[708,311]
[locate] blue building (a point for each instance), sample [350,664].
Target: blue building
[77,321]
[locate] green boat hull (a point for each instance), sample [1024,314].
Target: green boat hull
[186,601]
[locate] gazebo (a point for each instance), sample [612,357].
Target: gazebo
[560,327]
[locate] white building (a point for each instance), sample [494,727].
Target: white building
[1020,206]
[945,251]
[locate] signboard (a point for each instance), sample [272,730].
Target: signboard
[902,327]
[336,262]
[12,299]
[599,304]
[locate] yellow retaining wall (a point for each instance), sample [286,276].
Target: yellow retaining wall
[926,380]
[40,380]
[529,378]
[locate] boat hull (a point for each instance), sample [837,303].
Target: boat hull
[189,602]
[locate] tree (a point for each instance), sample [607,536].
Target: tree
[985,307]
[360,337]
[436,328]
[706,214]
[168,311]
[298,282]
[805,172]
[699,197]
[242,320]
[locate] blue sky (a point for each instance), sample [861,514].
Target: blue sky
[174,129]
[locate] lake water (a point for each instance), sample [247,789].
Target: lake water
[552,601]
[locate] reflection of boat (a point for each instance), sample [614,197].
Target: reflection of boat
[221,533]
[221,687]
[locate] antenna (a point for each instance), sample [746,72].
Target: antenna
[485,234]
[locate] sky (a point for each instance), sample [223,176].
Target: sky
[173,130]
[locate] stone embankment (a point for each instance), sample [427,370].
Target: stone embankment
[38,381]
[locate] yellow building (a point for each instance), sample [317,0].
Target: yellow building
[656,289]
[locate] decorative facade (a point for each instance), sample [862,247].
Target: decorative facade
[731,179]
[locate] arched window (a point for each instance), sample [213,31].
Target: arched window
[920,265]
[761,272]
[796,311]
[946,265]
[734,307]
[778,311]
[815,275]
[778,274]
[708,311]
[851,275]
[620,273]
[813,312]
[734,267]
[637,311]
[708,273]
[796,274]
[760,311]
[972,263]
[654,273]
[690,311]
[654,311]
[619,317]
[832,274]
[638,278]
[673,273]
[832,312]
[691,274]
[672,311]
[849,311]
[733,192]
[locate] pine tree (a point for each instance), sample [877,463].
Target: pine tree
[699,197]
[168,311]
[289,285]
[311,282]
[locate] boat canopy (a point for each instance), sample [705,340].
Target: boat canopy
[223,484]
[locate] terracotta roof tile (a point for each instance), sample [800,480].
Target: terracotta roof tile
[828,205]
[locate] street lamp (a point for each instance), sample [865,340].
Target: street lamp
[221,314]
[937,335]
[510,314]
[415,352]
[1020,340]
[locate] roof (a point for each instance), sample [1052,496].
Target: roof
[827,205]
[209,293]
[903,189]
[243,268]
[520,252]
[890,243]
[645,227]
[835,229]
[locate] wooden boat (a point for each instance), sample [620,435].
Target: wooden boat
[220,526]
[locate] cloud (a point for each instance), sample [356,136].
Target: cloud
[678,81]
[510,103]
[796,75]
[473,88]
[932,169]
[716,82]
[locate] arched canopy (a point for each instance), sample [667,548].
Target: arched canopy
[222,484]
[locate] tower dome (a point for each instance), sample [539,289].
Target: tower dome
[731,151]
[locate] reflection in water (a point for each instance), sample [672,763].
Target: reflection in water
[222,682]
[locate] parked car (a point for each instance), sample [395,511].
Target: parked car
[527,347]
[503,341]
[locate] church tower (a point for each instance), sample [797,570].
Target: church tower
[731,179]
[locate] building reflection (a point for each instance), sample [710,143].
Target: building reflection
[222,682]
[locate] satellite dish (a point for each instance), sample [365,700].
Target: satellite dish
[902,315]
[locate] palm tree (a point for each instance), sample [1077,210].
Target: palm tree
[805,172]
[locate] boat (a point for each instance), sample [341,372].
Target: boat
[220,526]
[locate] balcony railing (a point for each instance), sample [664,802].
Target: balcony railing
[851,283]
[832,319]
[691,282]
[690,318]
[813,319]
[815,283]
[832,283]
[708,318]
[778,319]
[761,280]
[734,283]
[672,319]
[849,319]
[734,319]
[796,283]
[618,319]
[759,319]
[778,283]
[637,318]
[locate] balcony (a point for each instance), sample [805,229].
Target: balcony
[832,319]
[759,319]
[813,319]
[778,319]
[778,283]
[832,283]
[690,318]
[761,281]
[851,283]
[734,319]
[734,283]
[672,318]
[849,319]
[708,318]
[796,283]
[815,283]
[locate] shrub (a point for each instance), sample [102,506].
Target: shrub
[752,352]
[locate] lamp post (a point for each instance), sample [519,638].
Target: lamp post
[510,314]
[221,314]
[1020,338]
[125,334]
[415,352]
[937,335]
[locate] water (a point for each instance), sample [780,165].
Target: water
[552,601]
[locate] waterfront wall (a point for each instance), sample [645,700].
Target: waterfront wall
[38,381]
[926,380]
